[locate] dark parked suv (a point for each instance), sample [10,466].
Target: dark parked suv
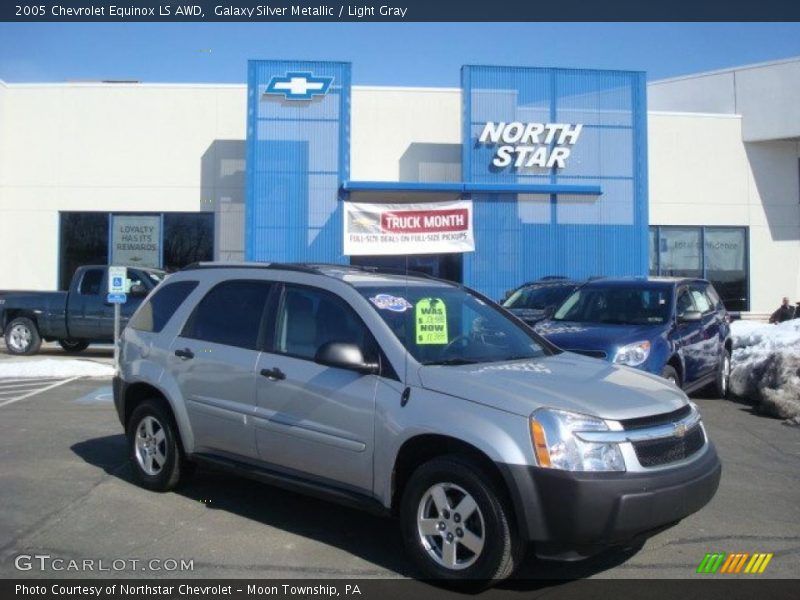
[673,327]
[535,300]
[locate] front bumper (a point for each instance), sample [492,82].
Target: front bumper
[576,510]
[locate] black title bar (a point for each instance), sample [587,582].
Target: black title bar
[276,11]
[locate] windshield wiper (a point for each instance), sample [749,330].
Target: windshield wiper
[451,362]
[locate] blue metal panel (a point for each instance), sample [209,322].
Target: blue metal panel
[545,227]
[298,153]
[465,187]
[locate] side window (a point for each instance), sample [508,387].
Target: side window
[230,314]
[714,298]
[684,303]
[700,300]
[309,318]
[156,311]
[138,278]
[90,284]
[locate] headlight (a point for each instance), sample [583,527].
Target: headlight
[633,354]
[556,446]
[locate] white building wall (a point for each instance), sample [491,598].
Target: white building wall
[764,94]
[110,147]
[405,134]
[702,173]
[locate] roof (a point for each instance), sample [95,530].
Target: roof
[351,274]
[761,65]
[635,281]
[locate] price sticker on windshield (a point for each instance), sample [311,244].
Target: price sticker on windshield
[431,321]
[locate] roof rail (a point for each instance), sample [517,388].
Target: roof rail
[315,268]
[195,266]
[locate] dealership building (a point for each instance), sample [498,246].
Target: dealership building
[571,172]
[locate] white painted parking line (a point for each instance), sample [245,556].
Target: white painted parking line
[28,383]
[37,391]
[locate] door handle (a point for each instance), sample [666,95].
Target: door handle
[185,353]
[274,374]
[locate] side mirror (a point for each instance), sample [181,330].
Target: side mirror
[345,356]
[138,290]
[691,316]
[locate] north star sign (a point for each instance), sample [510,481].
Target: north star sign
[523,145]
[299,86]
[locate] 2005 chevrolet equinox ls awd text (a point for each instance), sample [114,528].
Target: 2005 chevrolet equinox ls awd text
[409,396]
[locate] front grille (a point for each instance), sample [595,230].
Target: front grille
[656,420]
[592,353]
[654,453]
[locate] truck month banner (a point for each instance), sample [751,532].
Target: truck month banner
[408,228]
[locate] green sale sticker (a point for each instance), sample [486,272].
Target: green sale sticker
[431,321]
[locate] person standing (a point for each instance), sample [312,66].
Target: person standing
[785,312]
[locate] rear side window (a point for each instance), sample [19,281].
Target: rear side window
[90,284]
[230,314]
[156,311]
[714,298]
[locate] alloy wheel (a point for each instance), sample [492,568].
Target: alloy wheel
[20,338]
[451,526]
[151,446]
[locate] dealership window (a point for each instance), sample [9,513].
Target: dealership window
[718,254]
[164,240]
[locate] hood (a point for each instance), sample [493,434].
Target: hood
[594,337]
[565,381]
[529,315]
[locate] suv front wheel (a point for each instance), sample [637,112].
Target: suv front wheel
[456,525]
[153,448]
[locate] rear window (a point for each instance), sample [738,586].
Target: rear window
[157,310]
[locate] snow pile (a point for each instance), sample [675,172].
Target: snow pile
[766,366]
[50,367]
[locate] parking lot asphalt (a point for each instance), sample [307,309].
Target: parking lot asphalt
[66,491]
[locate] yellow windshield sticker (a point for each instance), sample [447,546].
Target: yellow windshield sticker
[431,321]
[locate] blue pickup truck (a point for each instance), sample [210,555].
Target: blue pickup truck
[674,327]
[74,318]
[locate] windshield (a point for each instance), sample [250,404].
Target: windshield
[538,297]
[449,326]
[617,305]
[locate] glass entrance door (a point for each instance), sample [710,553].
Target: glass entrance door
[443,266]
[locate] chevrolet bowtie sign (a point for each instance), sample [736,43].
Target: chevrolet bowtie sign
[298,86]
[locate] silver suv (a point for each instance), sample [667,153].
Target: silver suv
[408,396]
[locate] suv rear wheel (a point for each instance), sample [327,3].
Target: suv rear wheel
[455,524]
[723,374]
[153,448]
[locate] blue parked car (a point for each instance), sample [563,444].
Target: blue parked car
[674,327]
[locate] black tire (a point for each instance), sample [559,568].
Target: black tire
[22,337]
[502,548]
[723,374]
[669,372]
[174,465]
[73,346]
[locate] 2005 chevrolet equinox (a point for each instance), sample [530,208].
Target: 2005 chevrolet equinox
[409,396]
